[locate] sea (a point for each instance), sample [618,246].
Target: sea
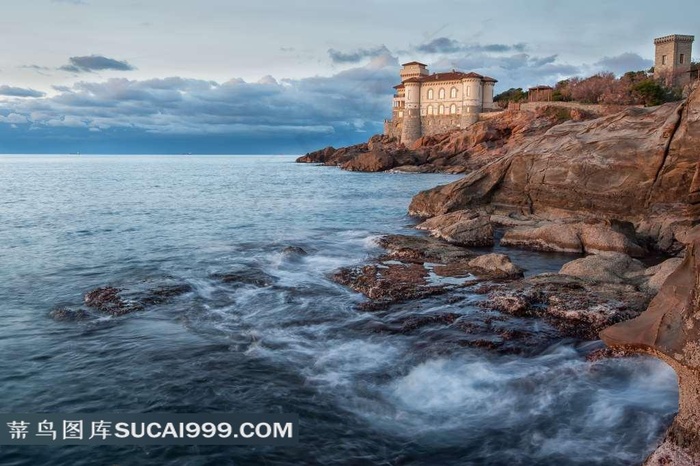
[282,337]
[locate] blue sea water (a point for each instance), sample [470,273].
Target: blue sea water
[71,224]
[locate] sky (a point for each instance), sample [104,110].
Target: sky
[281,77]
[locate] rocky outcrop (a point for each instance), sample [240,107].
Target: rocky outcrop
[577,307]
[415,267]
[373,161]
[117,302]
[578,237]
[640,165]
[457,151]
[670,330]
[463,227]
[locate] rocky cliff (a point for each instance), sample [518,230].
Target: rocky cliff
[640,165]
[458,151]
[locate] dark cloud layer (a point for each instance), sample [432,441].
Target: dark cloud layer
[356,56]
[10,91]
[190,115]
[174,115]
[92,63]
[444,45]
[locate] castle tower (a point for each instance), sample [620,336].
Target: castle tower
[411,129]
[673,58]
[472,102]
[487,100]
[413,69]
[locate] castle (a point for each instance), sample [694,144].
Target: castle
[426,104]
[672,60]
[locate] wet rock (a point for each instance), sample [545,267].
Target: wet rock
[388,283]
[294,253]
[422,249]
[573,238]
[607,353]
[109,301]
[670,330]
[417,322]
[247,277]
[578,308]
[463,227]
[65,314]
[164,293]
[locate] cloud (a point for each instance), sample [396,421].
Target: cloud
[445,45]
[193,115]
[622,63]
[92,63]
[358,55]
[10,91]
[73,2]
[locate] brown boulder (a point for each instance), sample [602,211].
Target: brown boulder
[495,266]
[609,267]
[373,161]
[573,238]
[463,227]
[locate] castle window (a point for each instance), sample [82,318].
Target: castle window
[453,93]
[441,110]
[469,91]
[681,59]
[430,94]
[441,94]
[430,109]
[663,59]
[453,109]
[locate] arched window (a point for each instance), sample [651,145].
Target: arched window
[430,94]
[441,93]
[453,109]
[453,93]
[430,109]
[441,110]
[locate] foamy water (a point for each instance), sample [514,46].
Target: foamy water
[285,338]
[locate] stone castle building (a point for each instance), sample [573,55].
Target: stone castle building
[673,59]
[426,104]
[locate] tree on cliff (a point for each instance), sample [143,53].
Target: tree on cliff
[511,95]
[632,88]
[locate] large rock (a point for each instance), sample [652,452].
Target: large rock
[573,238]
[609,267]
[495,265]
[373,161]
[670,330]
[462,227]
[637,165]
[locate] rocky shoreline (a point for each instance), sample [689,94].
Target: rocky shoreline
[613,189]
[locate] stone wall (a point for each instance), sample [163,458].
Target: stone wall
[595,109]
[433,124]
[436,124]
